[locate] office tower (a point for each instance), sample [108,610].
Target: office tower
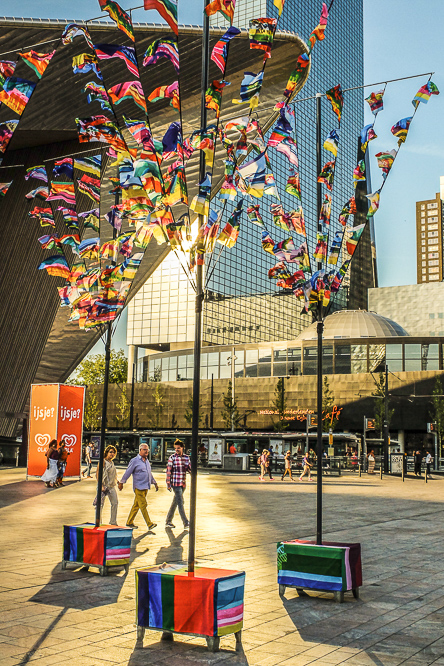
[429,239]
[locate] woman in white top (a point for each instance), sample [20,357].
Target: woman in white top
[371,462]
[109,482]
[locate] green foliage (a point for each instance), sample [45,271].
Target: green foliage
[437,412]
[279,405]
[328,401]
[379,396]
[230,413]
[92,369]
[123,408]
[158,396]
[188,416]
[156,376]
[91,417]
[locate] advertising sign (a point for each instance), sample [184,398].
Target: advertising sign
[396,463]
[278,446]
[56,412]
[215,451]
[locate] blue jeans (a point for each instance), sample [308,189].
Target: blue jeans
[177,503]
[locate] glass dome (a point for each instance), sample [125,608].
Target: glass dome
[355,324]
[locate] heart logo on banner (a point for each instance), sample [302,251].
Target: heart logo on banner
[70,440]
[42,440]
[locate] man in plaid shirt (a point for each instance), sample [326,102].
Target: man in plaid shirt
[177,467]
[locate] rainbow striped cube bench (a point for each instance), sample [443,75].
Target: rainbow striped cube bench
[335,567]
[103,547]
[207,603]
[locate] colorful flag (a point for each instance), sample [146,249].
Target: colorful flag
[283,249]
[73,30]
[38,62]
[337,281]
[128,90]
[62,191]
[167,9]
[296,75]
[90,186]
[166,47]
[293,185]
[213,95]
[332,141]
[288,147]
[254,215]
[320,252]
[374,203]
[56,266]
[91,165]
[118,15]
[37,172]
[228,189]
[318,32]
[327,175]
[261,34]
[348,209]
[386,159]
[225,7]
[336,99]
[367,135]
[359,172]
[40,192]
[293,221]
[64,167]
[7,129]
[220,50]
[279,4]
[7,68]
[282,130]
[375,101]
[267,242]
[51,242]
[354,234]
[335,248]
[201,202]
[424,93]
[72,240]
[4,187]
[85,63]
[97,93]
[250,88]
[125,53]
[170,92]
[89,248]
[70,217]
[229,234]
[16,93]
[399,129]
[43,215]
[102,129]
[325,213]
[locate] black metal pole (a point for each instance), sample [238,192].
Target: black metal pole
[198,309]
[212,402]
[386,426]
[103,424]
[131,418]
[319,328]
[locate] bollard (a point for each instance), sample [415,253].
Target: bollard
[425,475]
[359,470]
[380,471]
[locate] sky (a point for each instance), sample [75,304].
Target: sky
[400,39]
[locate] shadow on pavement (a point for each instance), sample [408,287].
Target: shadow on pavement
[181,652]
[29,655]
[173,552]
[11,493]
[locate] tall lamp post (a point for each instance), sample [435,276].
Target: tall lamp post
[386,425]
[319,330]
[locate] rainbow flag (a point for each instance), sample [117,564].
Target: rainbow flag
[40,192]
[348,209]
[73,30]
[220,50]
[4,187]
[225,7]
[100,128]
[332,141]
[89,248]
[97,93]
[90,186]
[324,216]
[267,242]
[288,147]
[367,135]
[261,34]
[254,215]
[424,93]
[375,101]
[64,167]
[399,129]
[162,48]
[50,242]
[128,90]
[229,234]
[293,185]
[250,87]
[84,63]
[7,129]
[327,175]
[354,234]
[7,68]
[73,240]
[320,252]
[167,9]
[335,248]
[69,217]
[170,92]
[43,215]
[213,95]
[91,219]
[210,603]
[37,172]
[37,61]
[359,172]
[125,53]
[318,33]
[91,165]
[16,93]
[386,159]
[336,99]
[56,266]
[62,191]
[101,546]
[121,18]
[373,200]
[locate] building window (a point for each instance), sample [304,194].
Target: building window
[394,357]
[434,269]
[432,226]
[432,205]
[433,255]
[423,242]
[423,235]
[310,360]
[294,360]
[424,263]
[376,358]
[433,277]
[264,366]
[434,262]
[327,359]
[431,315]
[251,356]
[279,362]
[433,241]
[422,206]
[342,359]
[359,358]
[432,234]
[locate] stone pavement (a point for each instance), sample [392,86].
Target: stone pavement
[78,618]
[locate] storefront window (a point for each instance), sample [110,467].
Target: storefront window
[264,366]
[394,357]
[239,363]
[342,359]
[412,357]
[294,360]
[279,362]
[310,360]
[251,357]
[376,358]
[430,357]
[359,358]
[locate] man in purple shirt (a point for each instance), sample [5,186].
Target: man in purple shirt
[140,468]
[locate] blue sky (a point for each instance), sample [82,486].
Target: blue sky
[398,42]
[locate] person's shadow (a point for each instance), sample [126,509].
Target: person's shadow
[173,552]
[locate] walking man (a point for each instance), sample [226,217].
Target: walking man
[177,467]
[428,461]
[88,461]
[287,466]
[140,468]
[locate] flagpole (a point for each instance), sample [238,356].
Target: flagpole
[198,308]
[319,329]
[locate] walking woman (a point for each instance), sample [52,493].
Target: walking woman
[50,474]
[109,482]
[307,467]
[371,462]
[287,461]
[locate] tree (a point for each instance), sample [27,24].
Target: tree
[230,413]
[188,416]
[123,408]
[379,395]
[279,405]
[158,396]
[91,417]
[92,369]
[328,401]
[156,376]
[437,412]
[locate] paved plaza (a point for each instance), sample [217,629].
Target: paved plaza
[49,616]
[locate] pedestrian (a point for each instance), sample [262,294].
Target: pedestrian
[271,456]
[176,480]
[262,461]
[88,454]
[62,461]
[371,462]
[109,482]
[255,457]
[287,463]
[307,467]
[50,474]
[428,462]
[268,461]
[233,448]
[418,462]
[140,469]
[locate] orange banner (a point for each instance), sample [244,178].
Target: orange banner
[56,412]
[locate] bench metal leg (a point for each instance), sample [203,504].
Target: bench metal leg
[213,643]
[238,636]
[356,592]
[126,568]
[63,565]
[339,596]
[281,590]
[167,636]
[301,592]
[103,571]
[140,633]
